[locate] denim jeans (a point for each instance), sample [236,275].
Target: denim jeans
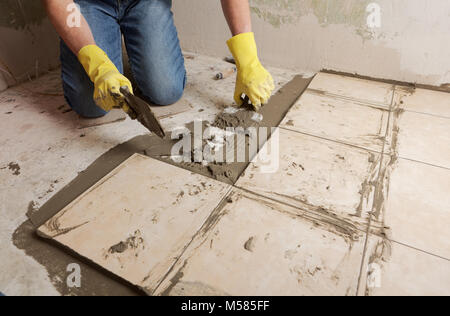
[152,44]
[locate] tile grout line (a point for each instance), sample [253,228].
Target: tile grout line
[369,224]
[425,163]
[332,140]
[429,114]
[360,102]
[366,103]
[417,249]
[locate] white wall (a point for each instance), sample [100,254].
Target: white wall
[411,45]
[309,35]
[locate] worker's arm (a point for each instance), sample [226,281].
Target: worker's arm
[237,13]
[75,37]
[100,69]
[253,79]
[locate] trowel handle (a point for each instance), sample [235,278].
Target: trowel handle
[126,93]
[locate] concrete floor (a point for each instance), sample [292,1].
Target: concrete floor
[361,195]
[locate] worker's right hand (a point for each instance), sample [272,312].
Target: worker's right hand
[106,78]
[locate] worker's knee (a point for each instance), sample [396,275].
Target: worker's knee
[165,92]
[168,95]
[81,100]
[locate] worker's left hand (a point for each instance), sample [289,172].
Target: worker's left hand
[253,79]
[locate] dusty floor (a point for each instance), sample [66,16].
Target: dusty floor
[358,206]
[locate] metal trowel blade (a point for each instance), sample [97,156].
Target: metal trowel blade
[142,112]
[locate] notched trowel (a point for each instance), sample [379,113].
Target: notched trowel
[142,112]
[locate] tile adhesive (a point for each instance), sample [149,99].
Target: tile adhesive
[96,280]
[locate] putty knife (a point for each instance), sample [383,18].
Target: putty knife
[142,112]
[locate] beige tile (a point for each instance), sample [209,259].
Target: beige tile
[138,219]
[418,207]
[422,137]
[396,270]
[358,89]
[318,174]
[346,121]
[423,101]
[255,246]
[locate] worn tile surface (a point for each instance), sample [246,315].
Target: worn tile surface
[255,246]
[392,269]
[421,126]
[319,174]
[138,219]
[354,88]
[424,101]
[417,210]
[423,138]
[346,121]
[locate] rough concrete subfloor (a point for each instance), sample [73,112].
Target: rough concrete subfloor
[358,204]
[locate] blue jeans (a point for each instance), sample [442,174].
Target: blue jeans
[152,44]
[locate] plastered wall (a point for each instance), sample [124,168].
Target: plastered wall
[412,43]
[28,42]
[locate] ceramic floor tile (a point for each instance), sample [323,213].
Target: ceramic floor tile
[358,89]
[345,121]
[393,269]
[317,173]
[417,210]
[254,246]
[423,101]
[421,137]
[138,219]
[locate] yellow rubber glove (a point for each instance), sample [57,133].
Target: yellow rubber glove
[106,78]
[253,79]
